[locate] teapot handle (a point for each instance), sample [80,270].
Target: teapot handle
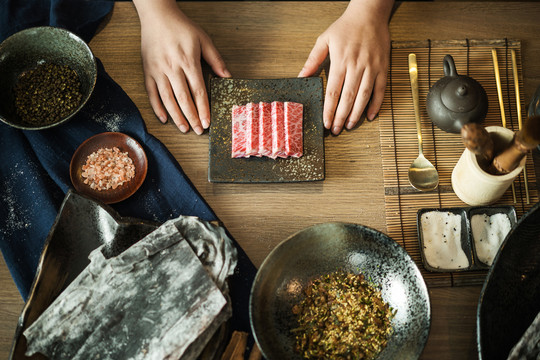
[449,66]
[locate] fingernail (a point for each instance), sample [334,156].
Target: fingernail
[349,125]
[163,119]
[205,123]
[183,128]
[198,130]
[371,116]
[227,73]
[336,130]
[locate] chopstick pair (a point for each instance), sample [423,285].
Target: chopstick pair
[518,107]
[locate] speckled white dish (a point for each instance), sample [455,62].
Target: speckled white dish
[466,238]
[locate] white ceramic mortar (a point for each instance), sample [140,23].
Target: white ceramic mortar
[476,187]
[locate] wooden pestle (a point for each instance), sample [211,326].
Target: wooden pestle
[476,138]
[524,140]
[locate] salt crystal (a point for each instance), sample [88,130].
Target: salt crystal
[441,231]
[488,234]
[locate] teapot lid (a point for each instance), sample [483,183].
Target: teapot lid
[460,95]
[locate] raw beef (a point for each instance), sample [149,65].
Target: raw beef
[265,129]
[293,129]
[278,130]
[239,121]
[252,130]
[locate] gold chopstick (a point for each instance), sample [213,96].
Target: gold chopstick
[518,110]
[501,102]
[498,81]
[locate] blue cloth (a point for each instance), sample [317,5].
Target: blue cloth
[34,166]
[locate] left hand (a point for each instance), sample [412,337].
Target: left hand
[359,47]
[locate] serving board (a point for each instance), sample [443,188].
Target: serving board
[399,142]
[226,92]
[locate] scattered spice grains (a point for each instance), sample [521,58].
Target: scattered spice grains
[107,169]
[47,93]
[342,316]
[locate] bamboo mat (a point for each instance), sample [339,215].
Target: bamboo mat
[399,146]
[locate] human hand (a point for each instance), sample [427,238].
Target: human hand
[172,47]
[358,44]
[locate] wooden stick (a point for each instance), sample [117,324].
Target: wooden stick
[255,353]
[501,102]
[236,347]
[518,109]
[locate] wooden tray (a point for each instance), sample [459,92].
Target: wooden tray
[399,146]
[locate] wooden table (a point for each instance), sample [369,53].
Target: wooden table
[272,40]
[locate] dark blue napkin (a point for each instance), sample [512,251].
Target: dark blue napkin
[34,166]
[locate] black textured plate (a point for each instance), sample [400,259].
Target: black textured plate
[228,92]
[323,249]
[81,226]
[510,298]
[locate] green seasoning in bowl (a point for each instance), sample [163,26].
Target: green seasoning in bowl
[342,316]
[47,93]
[47,75]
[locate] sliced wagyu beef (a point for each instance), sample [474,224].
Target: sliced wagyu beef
[267,129]
[293,125]
[278,130]
[239,120]
[252,130]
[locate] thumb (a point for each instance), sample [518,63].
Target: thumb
[315,59]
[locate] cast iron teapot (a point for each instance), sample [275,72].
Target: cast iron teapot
[456,100]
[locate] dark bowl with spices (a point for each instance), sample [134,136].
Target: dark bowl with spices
[47,75]
[339,291]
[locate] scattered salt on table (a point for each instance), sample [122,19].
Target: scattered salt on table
[441,232]
[488,234]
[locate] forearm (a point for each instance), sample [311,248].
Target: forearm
[151,10]
[379,10]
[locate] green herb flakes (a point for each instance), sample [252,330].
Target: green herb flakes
[47,93]
[342,316]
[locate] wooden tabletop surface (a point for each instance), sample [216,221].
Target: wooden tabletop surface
[272,40]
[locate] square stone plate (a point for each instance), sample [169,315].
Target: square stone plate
[224,93]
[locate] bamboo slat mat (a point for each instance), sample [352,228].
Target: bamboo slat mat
[399,142]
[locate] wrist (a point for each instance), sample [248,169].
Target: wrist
[152,10]
[378,10]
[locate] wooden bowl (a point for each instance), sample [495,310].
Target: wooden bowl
[124,143]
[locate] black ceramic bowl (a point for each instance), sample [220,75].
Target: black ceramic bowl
[323,249]
[28,48]
[510,298]
[81,226]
